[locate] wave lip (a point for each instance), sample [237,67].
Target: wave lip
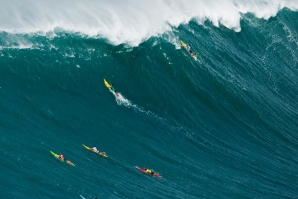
[130,22]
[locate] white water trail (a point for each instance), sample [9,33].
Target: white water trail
[82,197]
[130,22]
[121,100]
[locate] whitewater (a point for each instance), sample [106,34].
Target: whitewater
[130,22]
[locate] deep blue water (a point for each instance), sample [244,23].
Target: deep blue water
[224,126]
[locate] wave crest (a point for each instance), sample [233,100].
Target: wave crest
[130,22]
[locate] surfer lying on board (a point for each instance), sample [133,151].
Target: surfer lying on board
[61,157]
[95,149]
[149,171]
[101,153]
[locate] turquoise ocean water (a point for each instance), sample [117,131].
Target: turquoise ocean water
[222,126]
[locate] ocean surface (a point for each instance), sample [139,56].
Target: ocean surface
[224,125]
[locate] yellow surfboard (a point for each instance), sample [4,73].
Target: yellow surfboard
[111,88]
[185,46]
[107,84]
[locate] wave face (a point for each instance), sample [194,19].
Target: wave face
[222,126]
[130,22]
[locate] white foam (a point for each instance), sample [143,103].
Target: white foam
[121,100]
[82,197]
[129,21]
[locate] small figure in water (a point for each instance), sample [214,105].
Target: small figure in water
[188,47]
[189,50]
[112,88]
[61,157]
[149,171]
[95,149]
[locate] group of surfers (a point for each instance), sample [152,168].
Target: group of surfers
[148,171]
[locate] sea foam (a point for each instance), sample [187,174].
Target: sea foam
[130,22]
